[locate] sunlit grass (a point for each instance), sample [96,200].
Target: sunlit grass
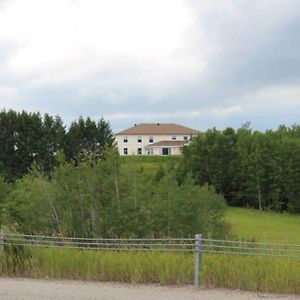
[267,274]
[226,271]
[265,226]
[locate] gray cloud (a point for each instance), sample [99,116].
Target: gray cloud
[247,47]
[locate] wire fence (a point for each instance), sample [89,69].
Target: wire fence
[108,244]
[155,244]
[197,245]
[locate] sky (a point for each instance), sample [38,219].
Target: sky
[201,64]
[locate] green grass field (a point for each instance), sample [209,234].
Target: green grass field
[264,226]
[149,164]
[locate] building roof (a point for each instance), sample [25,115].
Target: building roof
[158,129]
[168,144]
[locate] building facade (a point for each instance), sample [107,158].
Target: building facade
[154,139]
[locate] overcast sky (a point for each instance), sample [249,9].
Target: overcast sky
[197,63]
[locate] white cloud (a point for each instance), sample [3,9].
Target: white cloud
[62,40]
[274,96]
[7,92]
[207,63]
[225,111]
[153,117]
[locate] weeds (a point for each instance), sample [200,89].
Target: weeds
[224,271]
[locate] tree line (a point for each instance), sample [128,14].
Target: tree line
[72,182]
[27,138]
[249,168]
[110,199]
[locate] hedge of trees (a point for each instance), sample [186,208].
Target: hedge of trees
[250,168]
[108,200]
[71,182]
[29,137]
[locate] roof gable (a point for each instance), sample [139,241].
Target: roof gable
[158,129]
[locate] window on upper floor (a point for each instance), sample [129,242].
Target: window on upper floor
[185,138]
[174,138]
[139,139]
[125,139]
[151,139]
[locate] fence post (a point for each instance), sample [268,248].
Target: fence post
[198,248]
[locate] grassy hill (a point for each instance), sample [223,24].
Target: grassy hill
[150,164]
[248,224]
[264,226]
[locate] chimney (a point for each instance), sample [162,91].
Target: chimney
[134,124]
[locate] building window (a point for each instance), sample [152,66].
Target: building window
[151,139]
[150,151]
[125,151]
[174,138]
[185,138]
[139,151]
[165,151]
[139,139]
[125,139]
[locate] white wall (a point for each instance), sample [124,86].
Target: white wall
[132,145]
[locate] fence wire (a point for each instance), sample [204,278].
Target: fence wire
[168,244]
[225,247]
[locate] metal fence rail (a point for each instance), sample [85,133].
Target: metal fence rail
[167,244]
[197,245]
[251,248]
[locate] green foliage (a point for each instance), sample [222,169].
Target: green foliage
[4,189]
[29,204]
[86,138]
[249,168]
[27,138]
[106,199]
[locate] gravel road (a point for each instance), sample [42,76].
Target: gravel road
[23,289]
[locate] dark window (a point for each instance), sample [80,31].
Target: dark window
[125,139]
[151,139]
[174,138]
[165,151]
[185,138]
[139,139]
[125,151]
[139,151]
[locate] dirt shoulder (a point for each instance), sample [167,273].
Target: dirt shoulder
[17,289]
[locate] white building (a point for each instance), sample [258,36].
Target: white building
[154,139]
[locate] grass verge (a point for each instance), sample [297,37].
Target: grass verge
[264,226]
[236,272]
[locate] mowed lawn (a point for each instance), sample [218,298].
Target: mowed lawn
[264,226]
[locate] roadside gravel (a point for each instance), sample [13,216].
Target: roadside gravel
[25,289]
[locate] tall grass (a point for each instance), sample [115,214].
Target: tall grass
[266,274]
[226,271]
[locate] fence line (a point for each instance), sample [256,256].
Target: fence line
[197,245]
[155,244]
